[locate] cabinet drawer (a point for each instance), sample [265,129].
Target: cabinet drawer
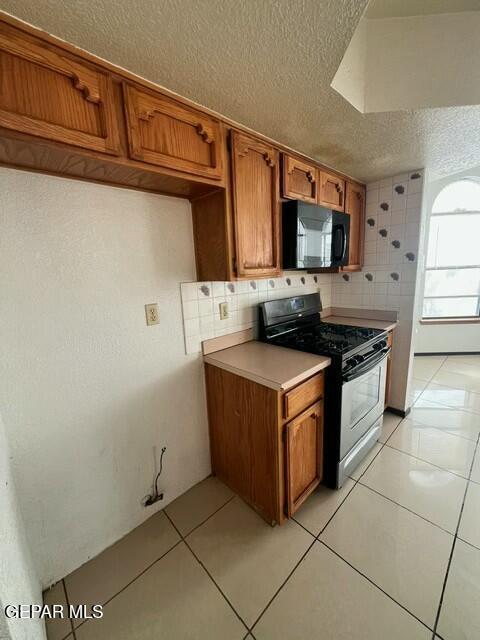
[46,93]
[168,134]
[304,395]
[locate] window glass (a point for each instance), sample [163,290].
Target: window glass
[452,274]
[454,240]
[462,195]
[450,307]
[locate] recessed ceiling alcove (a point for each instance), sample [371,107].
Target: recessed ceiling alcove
[410,55]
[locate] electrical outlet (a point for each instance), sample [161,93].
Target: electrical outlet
[151,313]
[223,308]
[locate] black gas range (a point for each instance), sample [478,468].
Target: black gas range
[355,381]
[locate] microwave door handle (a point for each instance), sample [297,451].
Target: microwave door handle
[340,227]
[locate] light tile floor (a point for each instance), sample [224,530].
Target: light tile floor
[394,554]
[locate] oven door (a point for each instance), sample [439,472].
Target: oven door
[363,400]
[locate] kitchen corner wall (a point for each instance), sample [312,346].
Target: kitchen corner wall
[201,300]
[387,280]
[89,393]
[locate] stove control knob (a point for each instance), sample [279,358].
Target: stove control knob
[351,362]
[359,359]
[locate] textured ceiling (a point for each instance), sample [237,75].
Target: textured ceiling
[267,64]
[403,8]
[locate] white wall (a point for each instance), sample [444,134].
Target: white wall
[18,581]
[88,390]
[412,62]
[444,338]
[390,284]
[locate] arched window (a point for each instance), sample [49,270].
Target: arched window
[452,275]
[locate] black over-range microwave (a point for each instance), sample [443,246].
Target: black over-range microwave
[314,236]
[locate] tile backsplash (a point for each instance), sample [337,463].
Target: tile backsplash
[392,228]
[387,279]
[201,300]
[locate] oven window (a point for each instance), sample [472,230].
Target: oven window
[365,395]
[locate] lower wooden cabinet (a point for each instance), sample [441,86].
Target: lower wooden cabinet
[303,456]
[273,463]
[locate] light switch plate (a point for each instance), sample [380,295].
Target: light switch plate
[151,313]
[223,309]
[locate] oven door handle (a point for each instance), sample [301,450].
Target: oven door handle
[372,362]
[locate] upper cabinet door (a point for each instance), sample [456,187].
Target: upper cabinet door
[300,180]
[355,207]
[304,456]
[165,133]
[332,191]
[45,93]
[256,206]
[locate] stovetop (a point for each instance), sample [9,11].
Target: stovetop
[325,338]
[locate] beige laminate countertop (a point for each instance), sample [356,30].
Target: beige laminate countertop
[272,366]
[384,325]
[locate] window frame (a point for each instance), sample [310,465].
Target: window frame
[459,318]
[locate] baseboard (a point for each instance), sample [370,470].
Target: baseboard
[399,412]
[448,353]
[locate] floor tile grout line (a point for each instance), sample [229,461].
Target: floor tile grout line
[370,463]
[203,521]
[152,563]
[452,550]
[315,535]
[304,555]
[303,527]
[67,600]
[133,580]
[208,572]
[428,462]
[355,482]
[407,508]
[375,584]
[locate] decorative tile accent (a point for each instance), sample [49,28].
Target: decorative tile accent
[201,300]
[205,290]
[393,211]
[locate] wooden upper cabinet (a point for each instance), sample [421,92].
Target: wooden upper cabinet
[165,133]
[299,180]
[256,206]
[303,456]
[332,191]
[46,93]
[355,207]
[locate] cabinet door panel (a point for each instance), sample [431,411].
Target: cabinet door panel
[304,456]
[167,134]
[256,206]
[46,94]
[355,207]
[332,191]
[300,180]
